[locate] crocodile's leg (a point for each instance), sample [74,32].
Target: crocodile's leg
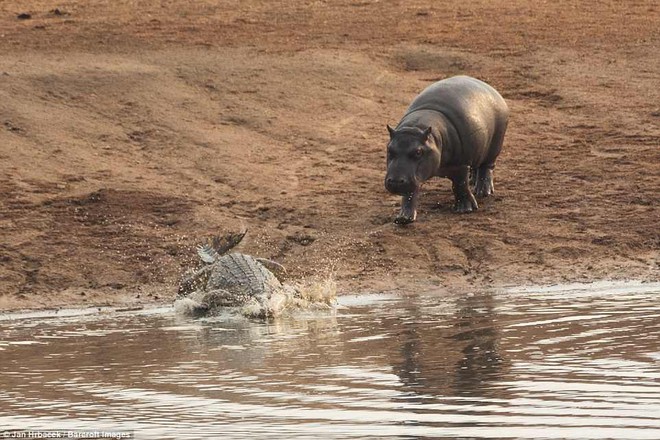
[201,303]
[194,280]
[216,298]
[278,270]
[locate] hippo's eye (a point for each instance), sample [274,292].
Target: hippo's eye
[419,151]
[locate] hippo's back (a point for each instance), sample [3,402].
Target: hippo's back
[476,112]
[460,95]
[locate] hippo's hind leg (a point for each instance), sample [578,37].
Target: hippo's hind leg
[483,181]
[465,201]
[483,185]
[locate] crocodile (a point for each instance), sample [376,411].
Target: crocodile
[236,280]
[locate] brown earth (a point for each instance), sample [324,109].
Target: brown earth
[132,130]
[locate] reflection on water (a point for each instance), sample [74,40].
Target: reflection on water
[533,363]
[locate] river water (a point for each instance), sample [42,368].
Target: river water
[564,362]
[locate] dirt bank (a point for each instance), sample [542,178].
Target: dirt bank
[129,132]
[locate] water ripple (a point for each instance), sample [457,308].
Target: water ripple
[564,362]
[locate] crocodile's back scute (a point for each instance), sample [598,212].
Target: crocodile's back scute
[242,275]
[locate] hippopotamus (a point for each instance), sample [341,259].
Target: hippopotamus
[455,127]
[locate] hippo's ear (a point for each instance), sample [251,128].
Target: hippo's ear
[427,136]
[391,130]
[427,133]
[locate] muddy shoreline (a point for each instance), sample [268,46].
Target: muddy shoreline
[128,137]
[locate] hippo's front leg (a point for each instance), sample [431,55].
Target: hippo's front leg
[408,212]
[465,201]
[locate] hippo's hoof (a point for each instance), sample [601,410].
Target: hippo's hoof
[484,187]
[467,204]
[405,219]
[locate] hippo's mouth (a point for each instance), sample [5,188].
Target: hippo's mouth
[400,187]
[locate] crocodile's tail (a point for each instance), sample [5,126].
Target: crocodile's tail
[219,246]
[207,253]
[224,244]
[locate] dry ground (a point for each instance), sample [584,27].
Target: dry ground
[131,130]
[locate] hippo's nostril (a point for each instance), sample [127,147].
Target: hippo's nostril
[397,185]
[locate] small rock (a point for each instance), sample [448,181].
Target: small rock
[58,12]
[24,16]
[302,239]
[11,127]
